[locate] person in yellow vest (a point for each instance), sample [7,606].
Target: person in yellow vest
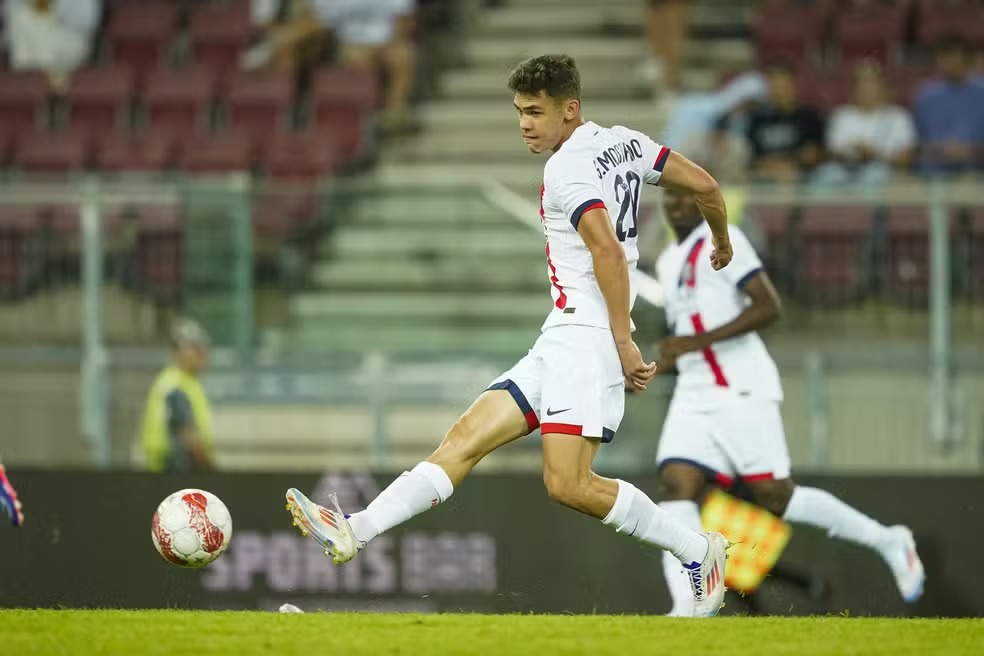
[176,432]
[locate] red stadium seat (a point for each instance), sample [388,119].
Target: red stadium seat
[871,32]
[774,224]
[788,34]
[99,99]
[975,254]
[23,97]
[20,252]
[905,269]
[938,18]
[43,152]
[300,156]
[905,83]
[832,253]
[158,254]
[218,35]
[139,35]
[149,151]
[228,152]
[824,89]
[343,100]
[178,103]
[259,102]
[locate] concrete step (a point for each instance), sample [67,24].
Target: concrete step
[507,51]
[382,203]
[429,242]
[316,337]
[464,115]
[565,5]
[524,170]
[605,82]
[495,141]
[429,306]
[498,273]
[595,18]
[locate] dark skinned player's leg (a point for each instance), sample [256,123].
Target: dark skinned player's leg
[682,486]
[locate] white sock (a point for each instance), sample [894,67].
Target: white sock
[636,514]
[415,491]
[820,508]
[687,513]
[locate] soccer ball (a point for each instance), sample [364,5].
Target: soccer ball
[191,528]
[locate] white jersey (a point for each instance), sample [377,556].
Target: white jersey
[699,299]
[595,167]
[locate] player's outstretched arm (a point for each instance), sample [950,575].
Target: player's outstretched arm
[764,308]
[681,173]
[612,273]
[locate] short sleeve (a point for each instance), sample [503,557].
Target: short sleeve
[576,188]
[745,262]
[902,136]
[839,137]
[179,412]
[654,156]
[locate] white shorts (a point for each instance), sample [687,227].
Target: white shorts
[742,437]
[570,382]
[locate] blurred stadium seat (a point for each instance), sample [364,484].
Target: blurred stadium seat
[46,152]
[260,103]
[140,34]
[121,151]
[218,34]
[834,253]
[225,152]
[19,251]
[23,97]
[300,156]
[178,103]
[343,99]
[975,255]
[787,33]
[775,223]
[872,32]
[158,254]
[99,100]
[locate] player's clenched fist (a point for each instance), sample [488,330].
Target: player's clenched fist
[721,254]
[637,372]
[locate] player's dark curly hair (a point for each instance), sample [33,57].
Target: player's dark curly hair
[556,75]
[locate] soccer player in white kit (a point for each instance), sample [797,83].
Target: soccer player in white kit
[572,383]
[724,419]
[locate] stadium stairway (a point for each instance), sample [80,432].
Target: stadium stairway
[422,268]
[413,267]
[414,271]
[470,129]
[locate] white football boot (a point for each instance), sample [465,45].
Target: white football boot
[327,526]
[707,578]
[902,558]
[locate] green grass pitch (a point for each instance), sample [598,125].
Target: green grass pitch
[200,633]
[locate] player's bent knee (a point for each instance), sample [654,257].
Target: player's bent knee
[773,495]
[681,483]
[463,440]
[563,488]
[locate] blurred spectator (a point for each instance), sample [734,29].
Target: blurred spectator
[785,138]
[950,113]
[378,33]
[176,432]
[375,34]
[666,32]
[53,36]
[869,137]
[691,125]
[294,34]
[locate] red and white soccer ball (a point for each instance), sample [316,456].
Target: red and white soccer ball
[191,528]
